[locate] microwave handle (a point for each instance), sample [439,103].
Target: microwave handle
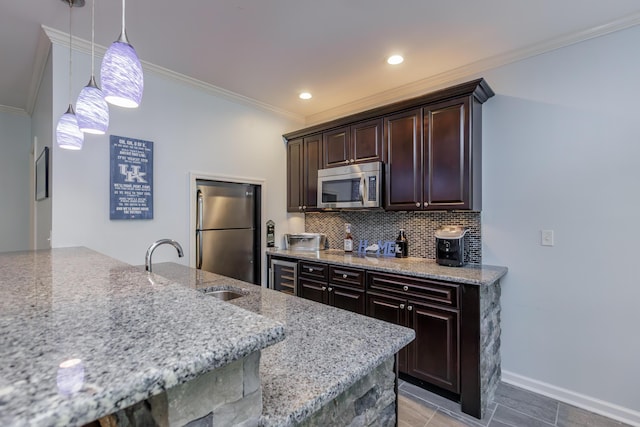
[362,190]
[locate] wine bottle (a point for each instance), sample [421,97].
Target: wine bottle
[348,238]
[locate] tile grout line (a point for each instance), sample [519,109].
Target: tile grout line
[492,414]
[530,416]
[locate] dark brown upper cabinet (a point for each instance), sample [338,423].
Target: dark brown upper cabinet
[304,158]
[433,157]
[431,147]
[358,143]
[450,167]
[403,140]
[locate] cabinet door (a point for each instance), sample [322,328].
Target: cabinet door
[447,155]
[312,162]
[315,291]
[336,147]
[366,141]
[403,141]
[433,356]
[389,309]
[346,299]
[294,175]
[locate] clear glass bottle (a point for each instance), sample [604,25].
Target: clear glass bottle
[348,238]
[402,245]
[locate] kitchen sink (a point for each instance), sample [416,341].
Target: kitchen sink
[225,294]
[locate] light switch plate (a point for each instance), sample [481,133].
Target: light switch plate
[546,238]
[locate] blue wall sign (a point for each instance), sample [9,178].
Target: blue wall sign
[131,183]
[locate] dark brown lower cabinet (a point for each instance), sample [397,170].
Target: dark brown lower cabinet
[430,308]
[390,309]
[433,355]
[313,290]
[336,286]
[446,317]
[347,298]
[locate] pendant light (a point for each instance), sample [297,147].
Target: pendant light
[92,109]
[68,135]
[121,72]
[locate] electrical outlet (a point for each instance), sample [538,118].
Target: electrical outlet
[546,238]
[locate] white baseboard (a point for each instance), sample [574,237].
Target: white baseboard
[589,403]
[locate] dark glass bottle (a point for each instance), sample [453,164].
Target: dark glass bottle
[402,246]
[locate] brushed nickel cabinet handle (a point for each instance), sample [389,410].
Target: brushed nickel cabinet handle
[410,308]
[401,306]
[330,289]
[324,288]
[405,288]
[344,276]
[426,204]
[417,204]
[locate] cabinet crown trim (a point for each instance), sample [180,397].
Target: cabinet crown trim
[478,88]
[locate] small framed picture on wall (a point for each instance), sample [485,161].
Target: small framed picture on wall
[42,175]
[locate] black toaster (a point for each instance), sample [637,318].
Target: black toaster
[450,246]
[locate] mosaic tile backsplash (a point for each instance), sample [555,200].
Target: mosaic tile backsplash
[419,227]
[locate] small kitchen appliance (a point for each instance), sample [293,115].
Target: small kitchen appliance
[450,245]
[305,241]
[351,187]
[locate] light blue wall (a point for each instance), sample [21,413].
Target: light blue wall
[193,130]
[561,148]
[15,181]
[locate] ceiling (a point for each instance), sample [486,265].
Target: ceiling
[270,50]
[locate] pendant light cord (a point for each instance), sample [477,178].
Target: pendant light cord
[70,62]
[93,11]
[123,5]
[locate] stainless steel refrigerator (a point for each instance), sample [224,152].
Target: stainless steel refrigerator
[228,229]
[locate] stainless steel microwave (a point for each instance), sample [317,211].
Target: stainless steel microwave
[353,186]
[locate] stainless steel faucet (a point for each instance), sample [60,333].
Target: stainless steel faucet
[154,245]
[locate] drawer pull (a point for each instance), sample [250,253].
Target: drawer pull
[310,270]
[401,306]
[344,276]
[324,288]
[330,289]
[405,288]
[410,308]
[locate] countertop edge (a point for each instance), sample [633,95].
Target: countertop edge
[498,271]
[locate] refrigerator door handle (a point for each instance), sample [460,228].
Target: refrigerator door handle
[199,249]
[199,230]
[199,212]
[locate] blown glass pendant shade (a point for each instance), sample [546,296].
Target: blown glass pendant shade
[121,75]
[92,111]
[68,134]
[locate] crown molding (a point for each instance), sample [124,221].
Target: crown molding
[472,70]
[435,82]
[61,38]
[13,110]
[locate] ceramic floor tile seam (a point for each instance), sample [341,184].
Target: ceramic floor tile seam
[446,411]
[520,413]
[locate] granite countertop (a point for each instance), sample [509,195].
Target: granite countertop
[470,274]
[325,351]
[83,335]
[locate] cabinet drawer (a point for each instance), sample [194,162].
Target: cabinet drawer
[313,270]
[445,294]
[346,276]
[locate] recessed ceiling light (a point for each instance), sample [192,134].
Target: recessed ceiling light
[305,95]
[395,59]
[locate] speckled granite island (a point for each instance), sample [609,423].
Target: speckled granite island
[83,336]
